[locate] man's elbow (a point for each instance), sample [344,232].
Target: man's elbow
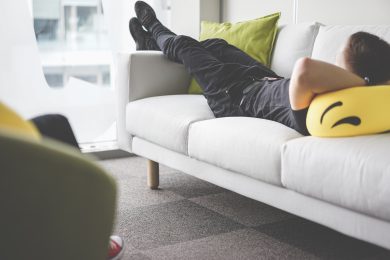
[302,73]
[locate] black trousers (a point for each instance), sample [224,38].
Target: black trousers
[233,83]
[221,69]
[56,127]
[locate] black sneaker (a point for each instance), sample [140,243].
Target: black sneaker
[145,14]
[143,39]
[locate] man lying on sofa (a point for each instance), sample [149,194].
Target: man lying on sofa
[234,84]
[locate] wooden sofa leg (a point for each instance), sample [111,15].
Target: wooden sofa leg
[153,174]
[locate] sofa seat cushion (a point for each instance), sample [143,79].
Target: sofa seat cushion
[165,120]
[250,146]
[350,172]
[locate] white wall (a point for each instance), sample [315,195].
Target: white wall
[241,10]
[186,15]
[330,12]
[347,12]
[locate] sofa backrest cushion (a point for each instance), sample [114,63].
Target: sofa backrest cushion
[330,39]
[293,42]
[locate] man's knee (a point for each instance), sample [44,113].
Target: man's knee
[213,44]
[182,40]
[215,41]
[222,42]
[177,45]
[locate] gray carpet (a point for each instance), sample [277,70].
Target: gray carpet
[192,219]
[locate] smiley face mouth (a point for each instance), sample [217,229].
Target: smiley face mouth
[351,120]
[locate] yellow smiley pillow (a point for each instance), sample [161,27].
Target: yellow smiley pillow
[350,112]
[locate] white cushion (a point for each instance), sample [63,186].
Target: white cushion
[293,42]
[249,146]
[350,172]
[164,120]
[330,39]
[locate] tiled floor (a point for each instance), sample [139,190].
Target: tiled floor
[192,219]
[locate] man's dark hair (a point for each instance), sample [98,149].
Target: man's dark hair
[367,55]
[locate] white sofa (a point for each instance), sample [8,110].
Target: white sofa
[342,183]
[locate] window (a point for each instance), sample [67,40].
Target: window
[76,57]
[68,33]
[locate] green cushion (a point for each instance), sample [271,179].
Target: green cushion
[255,37]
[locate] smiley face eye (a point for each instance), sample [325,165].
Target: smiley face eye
[352,120]
[336,104]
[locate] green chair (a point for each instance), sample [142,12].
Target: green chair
[54,203]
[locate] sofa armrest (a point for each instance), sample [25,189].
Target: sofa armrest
[150,74]
[145,74]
